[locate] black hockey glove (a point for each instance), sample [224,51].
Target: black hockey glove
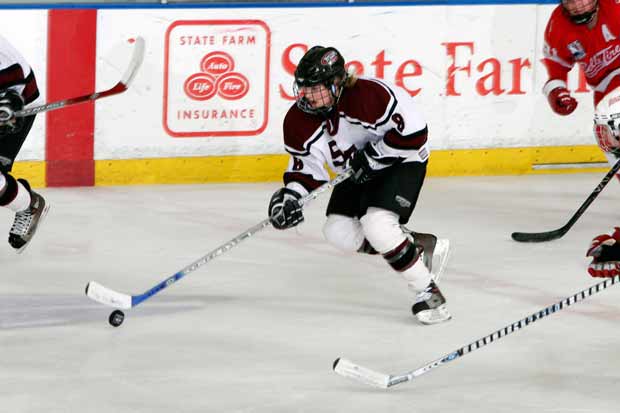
[10,102]
[284,209]
[366,166]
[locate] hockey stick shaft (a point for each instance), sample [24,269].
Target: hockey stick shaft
[368,376]
[112,298]
[509,329]
[120,87]
[558,233]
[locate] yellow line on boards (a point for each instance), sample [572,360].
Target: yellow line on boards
[265,168]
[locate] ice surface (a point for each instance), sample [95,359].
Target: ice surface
[257,329]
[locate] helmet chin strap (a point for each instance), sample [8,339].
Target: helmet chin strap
[583,18]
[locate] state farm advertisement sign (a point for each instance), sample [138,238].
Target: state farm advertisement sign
[216,78]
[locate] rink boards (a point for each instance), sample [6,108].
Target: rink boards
[208,103]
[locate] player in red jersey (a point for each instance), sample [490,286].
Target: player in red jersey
[587,32]
[375,129]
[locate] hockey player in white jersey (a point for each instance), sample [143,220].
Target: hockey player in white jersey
[375,129]
[18,87]
[605,248]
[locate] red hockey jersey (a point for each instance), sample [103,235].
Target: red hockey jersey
[596,50]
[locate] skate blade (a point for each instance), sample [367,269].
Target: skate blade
[41,220]
[441,254]
[434,316]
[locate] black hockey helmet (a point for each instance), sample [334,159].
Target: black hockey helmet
[320,65]
[580,11]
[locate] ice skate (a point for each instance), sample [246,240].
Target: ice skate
[436,251]
[27,221]
[430,306]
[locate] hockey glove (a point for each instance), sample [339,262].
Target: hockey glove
[606,139]
[605,251]
[366,165]
[561,101]
[10,102]
[284,209]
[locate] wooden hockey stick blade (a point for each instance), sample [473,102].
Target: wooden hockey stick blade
[131,71]
[346,368]
[104,295]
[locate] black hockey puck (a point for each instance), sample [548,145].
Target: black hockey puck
[116,318]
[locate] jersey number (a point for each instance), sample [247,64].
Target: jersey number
[298,164]
[397,118]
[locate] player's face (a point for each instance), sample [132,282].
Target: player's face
[318,96]
[580,11]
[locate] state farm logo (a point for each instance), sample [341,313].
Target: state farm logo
[216,77]
[217,63]
[233,86]
[200,86]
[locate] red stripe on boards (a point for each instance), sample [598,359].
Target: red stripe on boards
[71,56]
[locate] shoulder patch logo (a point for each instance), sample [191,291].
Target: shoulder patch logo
[576,49]
[606,33]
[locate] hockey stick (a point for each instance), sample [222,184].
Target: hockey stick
[559,233]
[109,297]
[136,60]
[351,370]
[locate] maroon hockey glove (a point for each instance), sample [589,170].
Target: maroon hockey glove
[284,209]
[367,163]
[605,251]
[561,101]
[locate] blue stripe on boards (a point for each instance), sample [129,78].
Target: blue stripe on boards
[267,5]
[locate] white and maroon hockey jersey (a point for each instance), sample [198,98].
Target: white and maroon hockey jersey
[15,72]
[369,111]
[597,50]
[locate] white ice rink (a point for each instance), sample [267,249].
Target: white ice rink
[257,329]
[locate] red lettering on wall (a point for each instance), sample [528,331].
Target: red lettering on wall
[289,66]
[517,65]
[380,64]
[464,67]
[357,66]
[494,76]
[453,68]
[404,72]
